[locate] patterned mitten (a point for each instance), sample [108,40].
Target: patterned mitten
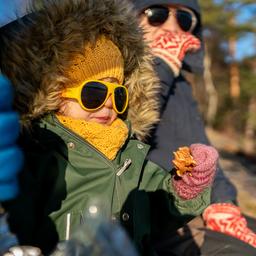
[172,47]
[227,218]
[193,176]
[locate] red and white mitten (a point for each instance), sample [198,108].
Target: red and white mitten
[172,47]
[227,218]
[193,176]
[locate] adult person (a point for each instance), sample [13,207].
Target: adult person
[168,26]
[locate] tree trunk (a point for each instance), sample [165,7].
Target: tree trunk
[250,127]
[234,71]
[210,89]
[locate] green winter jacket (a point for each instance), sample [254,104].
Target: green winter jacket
[64,175]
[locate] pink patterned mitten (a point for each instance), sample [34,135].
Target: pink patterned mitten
[200,174]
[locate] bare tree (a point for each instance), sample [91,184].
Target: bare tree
[210,89]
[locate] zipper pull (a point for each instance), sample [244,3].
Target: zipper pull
[68,219]
[126,164]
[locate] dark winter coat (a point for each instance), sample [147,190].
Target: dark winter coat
[181,124]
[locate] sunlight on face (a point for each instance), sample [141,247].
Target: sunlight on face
[105,115]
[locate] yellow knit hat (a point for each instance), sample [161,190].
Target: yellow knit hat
[100,60]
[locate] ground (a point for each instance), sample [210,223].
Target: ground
[240,169]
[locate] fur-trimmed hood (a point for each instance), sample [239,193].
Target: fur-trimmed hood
[34,52]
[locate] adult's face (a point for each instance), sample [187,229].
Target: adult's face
[156,20]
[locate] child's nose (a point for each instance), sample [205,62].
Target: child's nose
[109,103]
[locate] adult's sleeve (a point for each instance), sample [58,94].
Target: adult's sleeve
[167,79]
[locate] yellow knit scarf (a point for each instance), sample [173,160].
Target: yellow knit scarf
[108,139]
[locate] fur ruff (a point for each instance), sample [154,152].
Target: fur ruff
[35,49]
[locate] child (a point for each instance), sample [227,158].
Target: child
[80,72]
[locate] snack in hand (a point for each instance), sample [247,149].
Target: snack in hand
[195,166]
[183,161]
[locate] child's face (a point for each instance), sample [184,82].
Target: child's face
[105,115]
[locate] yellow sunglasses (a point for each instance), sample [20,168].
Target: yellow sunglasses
[93,94]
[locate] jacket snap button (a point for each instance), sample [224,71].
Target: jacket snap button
[140,146]
[125,216]
[71,145]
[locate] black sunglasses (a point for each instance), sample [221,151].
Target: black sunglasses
[158,14]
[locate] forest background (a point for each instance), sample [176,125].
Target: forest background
[227,91]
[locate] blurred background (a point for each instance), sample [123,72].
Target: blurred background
[227,90]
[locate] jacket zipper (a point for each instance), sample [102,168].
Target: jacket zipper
[67,235]
[124,167]
[120,170]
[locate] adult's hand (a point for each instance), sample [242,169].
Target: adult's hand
[228,219]
[172,48]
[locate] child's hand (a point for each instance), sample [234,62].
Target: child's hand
[11,157]
[172,47]
[227,218]
[202,173]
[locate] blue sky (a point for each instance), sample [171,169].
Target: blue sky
[9,10]
[247,44]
